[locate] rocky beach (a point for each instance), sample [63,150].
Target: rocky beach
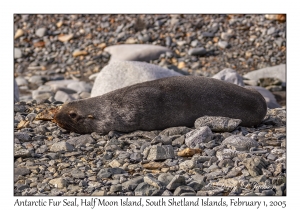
[60,58]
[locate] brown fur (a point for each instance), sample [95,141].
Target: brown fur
[162,103]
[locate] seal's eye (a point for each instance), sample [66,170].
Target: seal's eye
[72,114]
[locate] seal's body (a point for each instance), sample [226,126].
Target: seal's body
[159,104]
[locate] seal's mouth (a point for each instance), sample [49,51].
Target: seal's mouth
[59,118]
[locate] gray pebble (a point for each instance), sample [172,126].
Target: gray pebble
[17,53]
[177,181]
[144,189]
[217,124]
[61,147]
[201,51]
[183,189]
[133,183]
[223,44]
[76,173]
[240,143]
[22,136]
[41,32]
[198,136]
[160,152]
[81,140]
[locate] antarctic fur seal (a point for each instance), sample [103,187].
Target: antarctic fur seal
[159,104]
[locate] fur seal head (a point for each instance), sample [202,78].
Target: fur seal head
[73,118]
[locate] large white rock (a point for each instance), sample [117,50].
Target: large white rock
[270,98]
[135,52]
[274,71]
[229,75]
[119,74]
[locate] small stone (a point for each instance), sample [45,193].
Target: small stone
[208,34]
[240,143]
[198,136]
[21,81]
[187,165]
[195,43]
[99,193]
[19,33]
[217,124]
[61,147]
[65,38]
[36,79]
[136,157]
[131,40]
[21,171]
[279,42]
[196,186]
[167,193]
[59,183]
[177,181]
[108,172]
[258,179]
[154,165]
[152,181]
[77,53]
[183,189]
[17,53]
[116,188]
[114,164]
[144,189]
[41,32]
[223,44]
[202,159]
[267,193]
[59,24]
[181,65]
[78,174]
[132,183]
[201,51]
[188,152]
[210,152]
[271,31]
[271,157]
[165,178]
[226,36]
[255,165]
[280,17]
[81,140]
[248,54]
[178,142]
[160,152]
[22,136]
